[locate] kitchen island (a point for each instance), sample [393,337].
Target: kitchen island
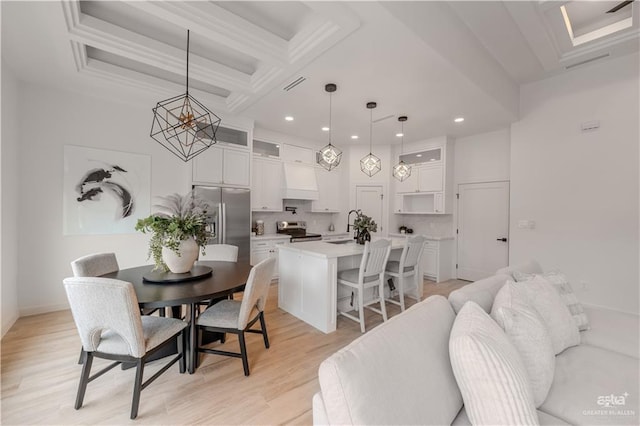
[308,286]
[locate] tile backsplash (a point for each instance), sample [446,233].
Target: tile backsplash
[316,222]
[433,225]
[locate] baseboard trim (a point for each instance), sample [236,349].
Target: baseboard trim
[7,326]
[36,310]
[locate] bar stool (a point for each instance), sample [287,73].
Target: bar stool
[370,274]
[407,267]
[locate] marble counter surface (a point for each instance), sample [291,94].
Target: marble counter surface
[330,250]
[428,237]
[270,237]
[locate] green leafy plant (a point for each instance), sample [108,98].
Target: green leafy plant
[177,218]
[365,223]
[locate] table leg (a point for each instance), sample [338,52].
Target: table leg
[193,336]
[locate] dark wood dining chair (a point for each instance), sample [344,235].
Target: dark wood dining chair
[237,317]
[110,326]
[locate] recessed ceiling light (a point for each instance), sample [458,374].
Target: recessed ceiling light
[399,135]
[354,136]
[458,119]
[433,159]
[288,118]
[418,155]
[277,146]
[325,129]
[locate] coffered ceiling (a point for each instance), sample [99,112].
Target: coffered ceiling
[432,61]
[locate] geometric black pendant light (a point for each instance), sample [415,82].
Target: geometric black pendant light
[401,171]
[183,125]
[370,164]
[329,156]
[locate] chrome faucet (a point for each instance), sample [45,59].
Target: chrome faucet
[357,212]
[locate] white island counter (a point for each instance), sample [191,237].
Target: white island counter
[308,287]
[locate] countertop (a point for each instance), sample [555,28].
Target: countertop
[270,237]
[328,250]
[428,237]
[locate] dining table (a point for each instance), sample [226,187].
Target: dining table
[183,289]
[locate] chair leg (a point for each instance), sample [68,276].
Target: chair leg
[84,379]
[137,388]
[243,352]
[361,308]
[182,339]
[263,326]
[83,356]
[383,307]
[401,291]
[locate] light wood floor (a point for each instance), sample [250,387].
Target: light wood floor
[39,374]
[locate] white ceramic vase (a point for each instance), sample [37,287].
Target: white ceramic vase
[179,264]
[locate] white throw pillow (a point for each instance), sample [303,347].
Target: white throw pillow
[559,280]
[542,296]
[492,379]
[526,330]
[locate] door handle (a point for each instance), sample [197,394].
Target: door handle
[503,239]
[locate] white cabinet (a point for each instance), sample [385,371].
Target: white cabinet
[437,260]
[422,179]
[265,248]
[430,178]
[328,192]
[266,185]
[419,203]
[297,154]
[222,166]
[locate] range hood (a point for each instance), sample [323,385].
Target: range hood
[300,182]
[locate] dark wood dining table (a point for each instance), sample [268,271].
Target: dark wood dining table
[226,278]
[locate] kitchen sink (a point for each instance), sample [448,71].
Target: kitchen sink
[340,242]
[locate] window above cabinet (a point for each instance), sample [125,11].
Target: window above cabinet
[266,149]
[228,136]
[427,156]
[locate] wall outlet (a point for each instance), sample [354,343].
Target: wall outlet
[526,224]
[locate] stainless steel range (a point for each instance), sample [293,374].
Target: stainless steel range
[297,231]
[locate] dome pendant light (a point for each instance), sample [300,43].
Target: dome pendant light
[401,171]
[183,125]
[329,156]
[370,164]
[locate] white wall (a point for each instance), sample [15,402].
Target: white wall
[581,188]
[482,158]
[48,120]
[9,194]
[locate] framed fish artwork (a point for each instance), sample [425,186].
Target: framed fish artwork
[105,192]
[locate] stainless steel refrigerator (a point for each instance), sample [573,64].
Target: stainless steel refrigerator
[229,217]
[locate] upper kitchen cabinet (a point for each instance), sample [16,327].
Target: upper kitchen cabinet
[266,187]
[427,178]
[328,192]
[297,154]
[226,163]
[429,189]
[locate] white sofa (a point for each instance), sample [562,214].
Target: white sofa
[400,372]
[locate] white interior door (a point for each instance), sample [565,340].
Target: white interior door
[483,229]
[369,200]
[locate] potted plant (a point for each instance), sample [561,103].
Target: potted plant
[364,225]
[178,230]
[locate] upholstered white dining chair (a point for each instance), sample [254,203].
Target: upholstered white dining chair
[93,265]
[370,274]
[110,326]
[237,317]
[220,252]
[407,267]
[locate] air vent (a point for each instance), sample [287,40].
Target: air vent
[294,83]
[383,118]
[586,61]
